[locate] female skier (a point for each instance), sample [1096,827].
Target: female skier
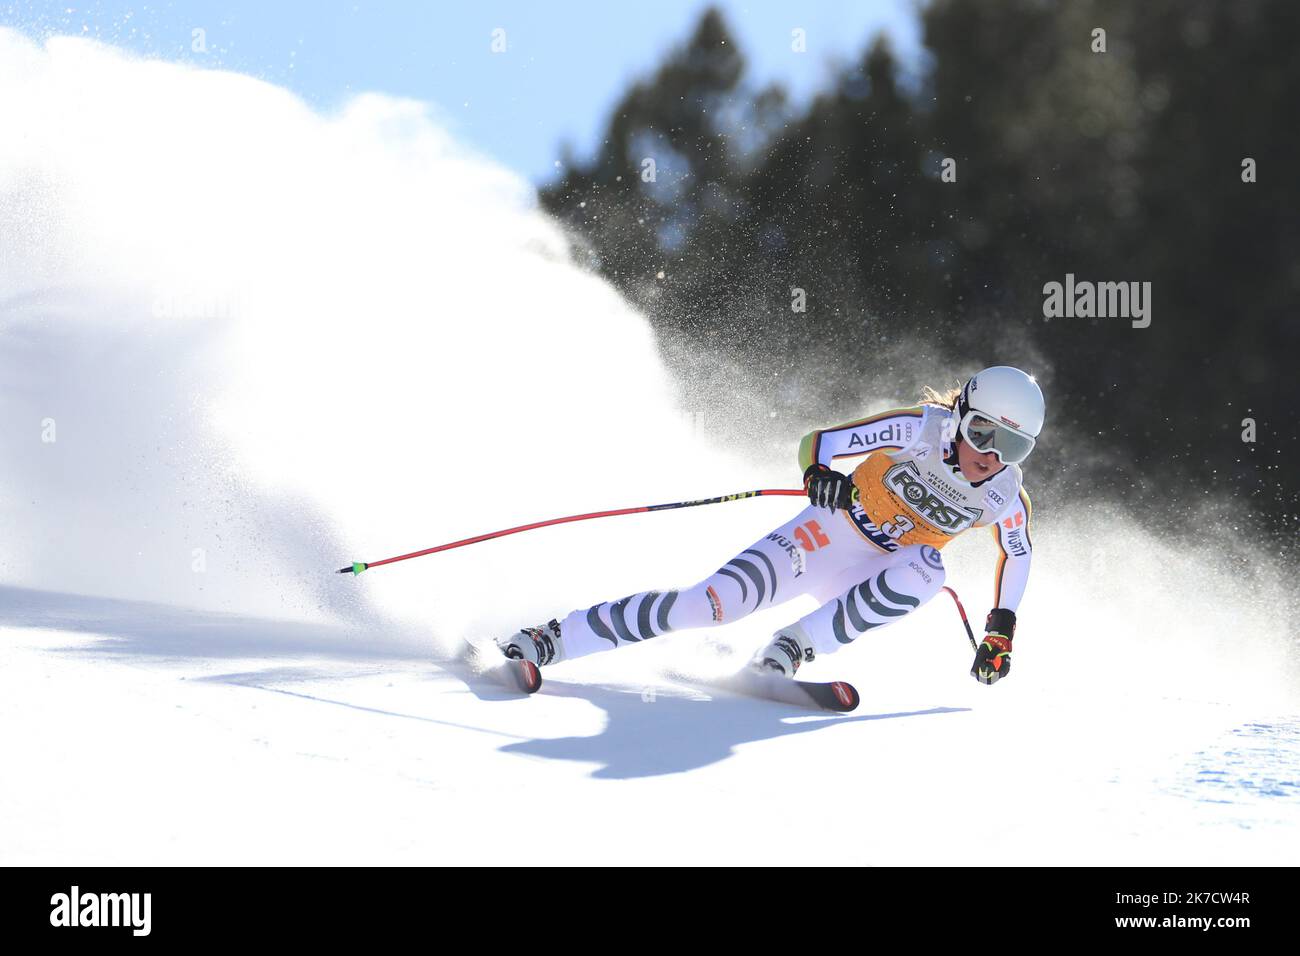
[931,472]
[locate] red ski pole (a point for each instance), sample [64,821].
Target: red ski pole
[962,611]
[359,566]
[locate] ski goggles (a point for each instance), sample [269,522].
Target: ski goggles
[984,435]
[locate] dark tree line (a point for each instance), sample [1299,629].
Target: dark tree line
[1118,166]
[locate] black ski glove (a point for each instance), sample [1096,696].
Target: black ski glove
[827,488]
[993,657]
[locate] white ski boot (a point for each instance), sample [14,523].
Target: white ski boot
[538,645]
[789,648]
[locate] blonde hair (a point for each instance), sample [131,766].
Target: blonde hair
[944,399]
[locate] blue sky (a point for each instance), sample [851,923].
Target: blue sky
[564,66]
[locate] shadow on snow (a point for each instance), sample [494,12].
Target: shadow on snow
[677,731]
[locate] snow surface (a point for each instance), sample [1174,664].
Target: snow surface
[266,343]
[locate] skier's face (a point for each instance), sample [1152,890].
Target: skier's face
[976,466]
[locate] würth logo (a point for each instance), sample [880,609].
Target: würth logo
[102,909]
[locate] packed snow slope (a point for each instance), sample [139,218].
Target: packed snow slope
[244,344]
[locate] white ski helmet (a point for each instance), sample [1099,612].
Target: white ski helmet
[1001,410]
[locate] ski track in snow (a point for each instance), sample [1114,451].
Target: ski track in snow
[250,344]
[1253,769]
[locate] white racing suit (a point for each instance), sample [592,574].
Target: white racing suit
[867,567]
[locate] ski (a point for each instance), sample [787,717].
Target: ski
[522,676]
[837,696]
